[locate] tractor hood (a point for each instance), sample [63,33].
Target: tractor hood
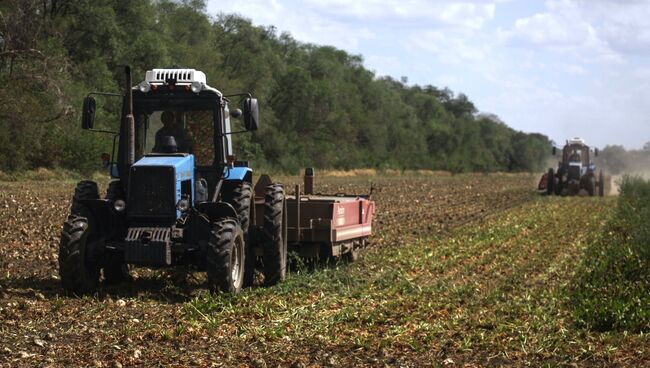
[182,163]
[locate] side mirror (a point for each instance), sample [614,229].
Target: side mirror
[88,113]
[236,113]
[251,114]
[554,151]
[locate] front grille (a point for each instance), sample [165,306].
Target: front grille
[152,192]
[574,172]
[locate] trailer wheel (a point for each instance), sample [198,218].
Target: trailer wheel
[78,263]
[240,198]
[85,189]
[550,182]
[274,235]
[225,256]
[601,184]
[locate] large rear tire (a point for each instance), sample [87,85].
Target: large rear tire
[274,235]
[85,189]
[591,186]
[225,256]
[78,261]
[240,198]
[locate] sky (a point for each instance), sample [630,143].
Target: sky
[564,68]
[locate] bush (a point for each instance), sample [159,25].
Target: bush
[612,290]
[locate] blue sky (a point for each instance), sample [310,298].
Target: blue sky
[564,68]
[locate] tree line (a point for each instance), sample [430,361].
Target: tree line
[319,105]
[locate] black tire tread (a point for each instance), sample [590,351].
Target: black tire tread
[273,237]
[79,274]
[240,198]
[220,247]
[550,182]
[85,189]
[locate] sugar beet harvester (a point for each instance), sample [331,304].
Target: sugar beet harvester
[180,197]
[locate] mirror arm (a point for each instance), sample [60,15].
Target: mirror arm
[237,132]
[104,94]
[247,94]
[103,131]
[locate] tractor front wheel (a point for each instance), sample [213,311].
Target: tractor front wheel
[78,263]
[550,182]
[115,270]
[274,235]
[225,256]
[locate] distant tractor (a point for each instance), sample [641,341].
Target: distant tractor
[575,174]
[180,197]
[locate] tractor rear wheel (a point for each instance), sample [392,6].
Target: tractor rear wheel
[601,184]
[78,261]
[85,189]
[225,256]
[274,235]
[240,198]
[550,182]
[591,186]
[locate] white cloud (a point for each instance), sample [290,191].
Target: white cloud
[447,48]
[303,22]
[472,14]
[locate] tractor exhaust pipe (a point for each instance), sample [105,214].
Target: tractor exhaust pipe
[130,121]
[308,180]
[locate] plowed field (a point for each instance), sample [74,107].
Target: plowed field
[462,271]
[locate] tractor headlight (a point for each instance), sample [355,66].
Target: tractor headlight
[197,86]
[119,205]
[183,205]
[144,86]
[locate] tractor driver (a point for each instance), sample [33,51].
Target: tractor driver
[172,127]
[575,156]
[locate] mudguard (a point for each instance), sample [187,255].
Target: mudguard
[239,174]
[108,221]
[217,210]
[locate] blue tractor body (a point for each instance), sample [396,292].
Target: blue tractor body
[576,172]
[183,171]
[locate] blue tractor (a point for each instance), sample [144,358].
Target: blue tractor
[576,173]
[178,196]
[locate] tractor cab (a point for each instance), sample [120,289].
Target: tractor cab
[576,159]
